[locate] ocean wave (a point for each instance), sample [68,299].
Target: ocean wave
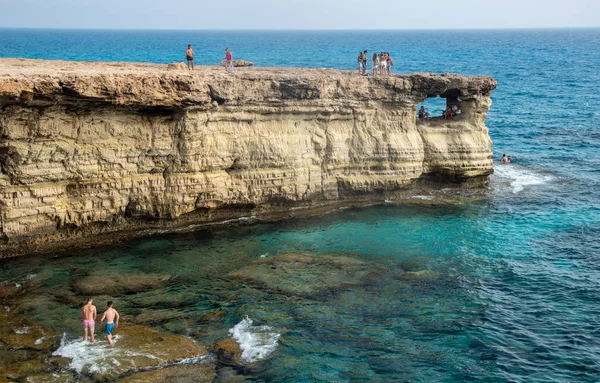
[256,342]
[518,177]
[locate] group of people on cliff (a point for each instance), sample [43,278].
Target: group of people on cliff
[190,56]
[381,63]
[449,112]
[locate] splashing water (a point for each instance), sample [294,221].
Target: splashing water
[256,342]
[83,354]
[519,177]
[97,357]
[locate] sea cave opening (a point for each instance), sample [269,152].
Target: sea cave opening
[441,107]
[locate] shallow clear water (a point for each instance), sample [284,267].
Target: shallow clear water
[502,287]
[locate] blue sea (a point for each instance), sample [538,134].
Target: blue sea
[503,287]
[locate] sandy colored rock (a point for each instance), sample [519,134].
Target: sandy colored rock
[177,66]
[136,347]
[228,351]
[192,373]
[17,332]
[23,370]
[238,63]
[52,377]
[117,284]
[101,148]
[8,290]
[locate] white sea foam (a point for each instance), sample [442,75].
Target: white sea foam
[97,357]
[256,342]
[82,354]
[423,197]
[21,331]
[519,177]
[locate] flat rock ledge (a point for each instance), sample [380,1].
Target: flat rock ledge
[93,152]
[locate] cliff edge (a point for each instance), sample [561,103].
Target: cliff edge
[91,148]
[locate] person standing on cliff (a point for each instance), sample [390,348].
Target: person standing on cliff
[375,64]
[360,62]
[383,63]
[88,314]
[189,55]
[112,320]
[229,60]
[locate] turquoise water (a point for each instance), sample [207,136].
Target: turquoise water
[501,287]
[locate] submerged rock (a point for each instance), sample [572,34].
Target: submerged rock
[117,284]
[20,370]
[163,299]
[213,316]
[51,377]
[301,274]
[17,332]
[228,351]
[192,373]
[9,290]
[157,316]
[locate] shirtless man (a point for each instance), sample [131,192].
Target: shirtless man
[189,55]
[88,314]
[112,320]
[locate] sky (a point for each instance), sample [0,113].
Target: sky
[299,14]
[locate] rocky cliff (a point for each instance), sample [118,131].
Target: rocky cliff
[90,148]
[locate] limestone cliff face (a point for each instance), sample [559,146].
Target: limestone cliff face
[88,148]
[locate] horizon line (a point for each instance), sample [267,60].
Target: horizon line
[302,30]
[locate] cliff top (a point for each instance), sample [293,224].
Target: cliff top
[42,82]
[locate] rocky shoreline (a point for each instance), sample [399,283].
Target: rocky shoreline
[96,152]
[33,350]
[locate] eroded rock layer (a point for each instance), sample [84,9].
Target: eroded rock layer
[87,148]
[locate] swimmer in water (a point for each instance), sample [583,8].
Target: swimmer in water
[505,159]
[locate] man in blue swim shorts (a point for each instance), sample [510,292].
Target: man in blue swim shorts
[112,320]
